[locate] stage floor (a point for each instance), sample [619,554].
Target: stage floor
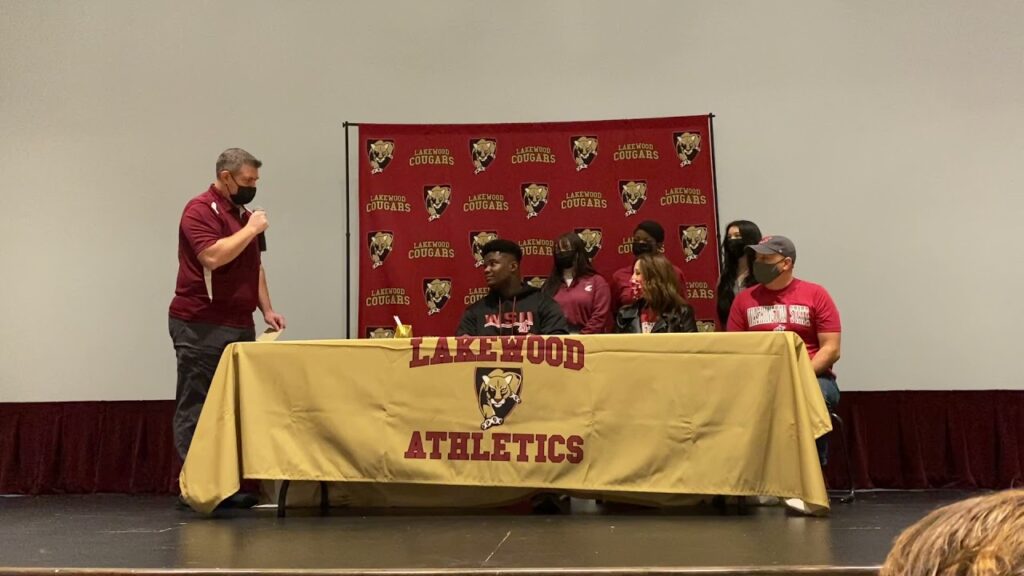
[130,532]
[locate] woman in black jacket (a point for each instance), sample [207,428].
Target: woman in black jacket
[660,306]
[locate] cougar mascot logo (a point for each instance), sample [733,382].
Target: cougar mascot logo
[477,241]
[483,151]
[634,194]
[694,239]
[380,244]
[498,392]
[705,325]
[687,146]
[437,292]
[591,240]
[380,153]
[535,198]
[437,199]
[380,332]
[537,281]
[584,150]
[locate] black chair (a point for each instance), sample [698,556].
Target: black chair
[839,429]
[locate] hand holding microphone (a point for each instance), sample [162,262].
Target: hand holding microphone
[258,220]
[258,223]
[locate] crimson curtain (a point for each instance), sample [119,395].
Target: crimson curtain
[897,440]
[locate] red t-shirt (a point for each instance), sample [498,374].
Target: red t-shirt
[228,295]
[802,307]
[586,303]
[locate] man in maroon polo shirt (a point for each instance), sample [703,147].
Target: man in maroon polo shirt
[220,283]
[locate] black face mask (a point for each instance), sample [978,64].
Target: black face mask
[244,195]
[734,247]
[640,248]
[564,260]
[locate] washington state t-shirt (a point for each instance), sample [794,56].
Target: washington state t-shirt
[802,307]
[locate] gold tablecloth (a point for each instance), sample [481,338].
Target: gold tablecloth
[471,421]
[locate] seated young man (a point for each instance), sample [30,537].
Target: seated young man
[782,302]
[512,307]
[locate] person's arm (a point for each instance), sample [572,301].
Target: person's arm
[467,325]
[273,319]
[829,329]
[828,352]
[688,319]
[552,320]
[737,316]
[227,249]
[599,316]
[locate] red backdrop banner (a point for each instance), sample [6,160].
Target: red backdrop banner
[431,195]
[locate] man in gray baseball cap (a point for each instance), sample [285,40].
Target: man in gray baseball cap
[782,302]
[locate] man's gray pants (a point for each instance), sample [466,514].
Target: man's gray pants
[198,348]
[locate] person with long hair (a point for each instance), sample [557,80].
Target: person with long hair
[737,264]
[582,293]
[658,304]
[648,238]
[982,536]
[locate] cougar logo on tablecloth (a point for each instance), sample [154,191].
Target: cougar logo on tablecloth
[584,151]
[477,241]
[380,332]
[380,154]
[687,146]
[437,292]
[694,239]
[592,238]
[437,198]
[634,194]
[535,198]
[705,325]
[380,244]
[483,151]
[498,392]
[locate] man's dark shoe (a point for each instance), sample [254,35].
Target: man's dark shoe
[239,501]
[550,503]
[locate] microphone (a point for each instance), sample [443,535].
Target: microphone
[261,238]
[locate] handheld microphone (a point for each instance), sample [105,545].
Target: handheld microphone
[261,238]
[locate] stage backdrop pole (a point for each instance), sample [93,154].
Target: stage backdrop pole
[714,189]
[348,238]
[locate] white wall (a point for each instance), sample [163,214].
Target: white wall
[885,138]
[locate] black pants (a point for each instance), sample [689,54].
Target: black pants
[198,348]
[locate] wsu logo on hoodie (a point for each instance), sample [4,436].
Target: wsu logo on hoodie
[517,322]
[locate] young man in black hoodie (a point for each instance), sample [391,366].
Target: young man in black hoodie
[512,308]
